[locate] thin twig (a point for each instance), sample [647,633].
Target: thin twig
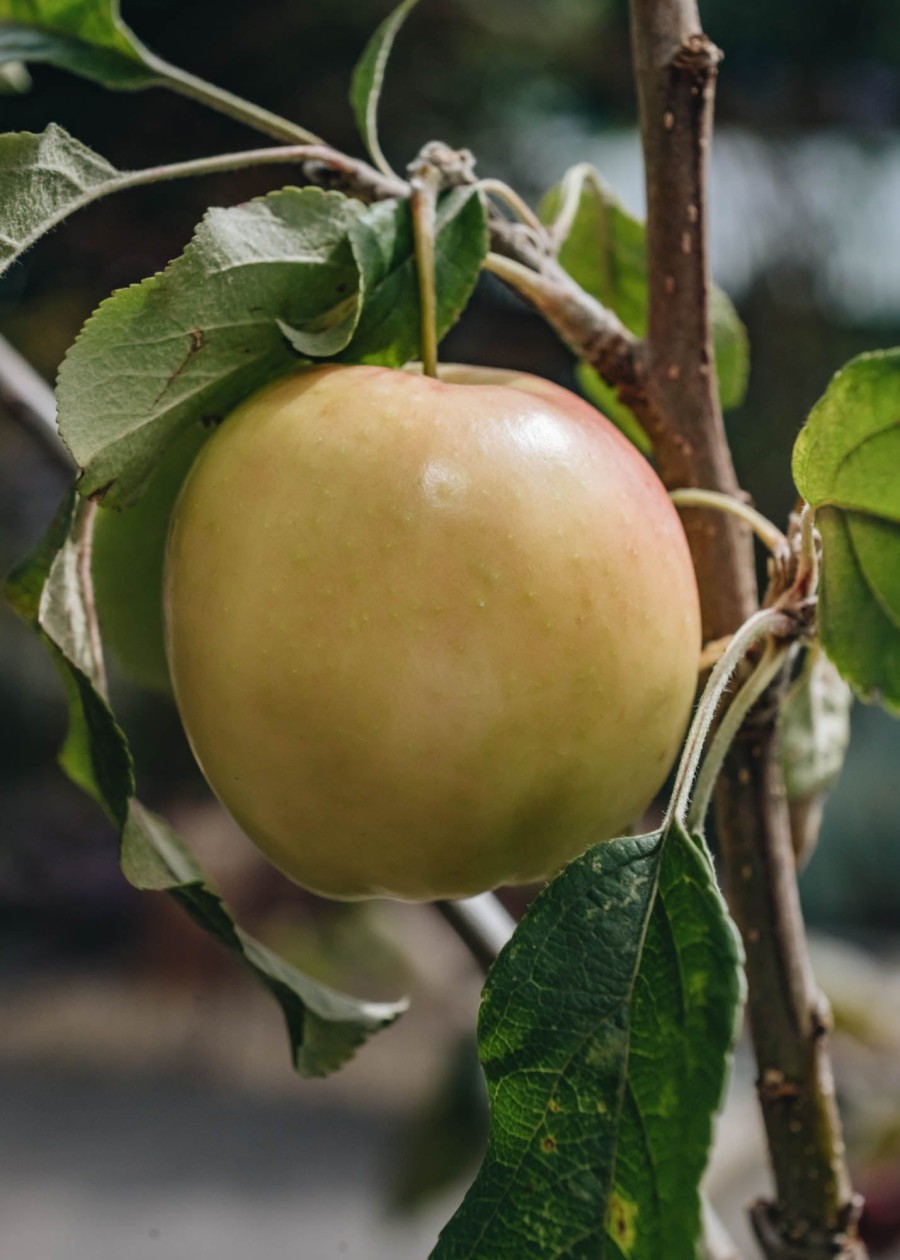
[766,531]
[482,923]
[517,204]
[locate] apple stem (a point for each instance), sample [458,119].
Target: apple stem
[425,181]
[764,529]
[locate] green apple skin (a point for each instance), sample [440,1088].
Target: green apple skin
[428,636]
[127,557]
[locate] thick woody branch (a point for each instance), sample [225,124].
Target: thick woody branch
[814,1214]
[676,69]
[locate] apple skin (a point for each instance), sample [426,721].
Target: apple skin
[428,636]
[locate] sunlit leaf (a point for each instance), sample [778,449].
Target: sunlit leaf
[193,341]
[603,248]
[847,466]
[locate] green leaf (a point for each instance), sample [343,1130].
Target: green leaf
[732,349]
[53,592]
[848,453]
[605,1033]
[603,248]
[857,631]
[87,37]
[327,335]
[368,77]
[605,399]
[846,463]
[389,331]
[193,341]
[325,1027]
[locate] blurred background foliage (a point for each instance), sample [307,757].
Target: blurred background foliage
[806,238]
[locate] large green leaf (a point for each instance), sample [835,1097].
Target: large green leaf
[389,329]
[194,340]
[603,247]
[52,591]
[368,77]
[87,37]
[847,466]
[605,1033]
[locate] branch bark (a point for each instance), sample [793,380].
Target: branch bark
[814,1214]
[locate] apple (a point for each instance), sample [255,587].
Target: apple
[428,636]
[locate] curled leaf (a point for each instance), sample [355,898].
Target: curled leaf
[52,590]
